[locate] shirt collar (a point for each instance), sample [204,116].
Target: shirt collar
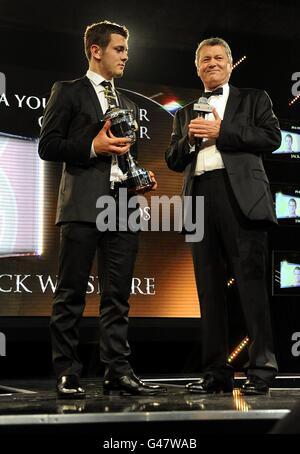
[96,78]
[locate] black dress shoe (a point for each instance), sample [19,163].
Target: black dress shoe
[210,384]
[68,387]
[131,385]
[254,386]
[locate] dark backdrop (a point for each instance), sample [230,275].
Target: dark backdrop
[47,36]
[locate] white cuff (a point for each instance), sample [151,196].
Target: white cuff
[92,152]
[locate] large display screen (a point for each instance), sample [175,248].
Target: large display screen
[21,196]
[289,149]
[287,203]
[286,273]
[163,283]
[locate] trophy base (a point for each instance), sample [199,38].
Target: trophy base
[139,181]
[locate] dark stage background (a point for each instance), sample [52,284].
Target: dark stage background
[41,43]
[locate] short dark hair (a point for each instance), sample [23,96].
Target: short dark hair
[290,136]
[293,200]
[99,34]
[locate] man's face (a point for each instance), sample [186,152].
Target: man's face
[297,276]
[114,57]
[292,207]
[214,67]
[288,143]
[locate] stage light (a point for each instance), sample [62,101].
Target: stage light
[294,100]
[239,61]
[230,282]
[238,349]
[156,95]
[171,106]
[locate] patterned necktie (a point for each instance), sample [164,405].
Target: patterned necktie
[112,102]
[109,95]
[216,92]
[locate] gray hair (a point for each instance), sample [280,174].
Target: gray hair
[213,42]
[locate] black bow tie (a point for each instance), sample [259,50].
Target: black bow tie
[216,92]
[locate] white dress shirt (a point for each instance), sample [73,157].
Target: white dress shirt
[96,79]
[209,157]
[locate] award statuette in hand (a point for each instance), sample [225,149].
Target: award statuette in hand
[123,124]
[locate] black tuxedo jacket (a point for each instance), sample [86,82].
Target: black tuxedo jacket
[248,130]
[72,118]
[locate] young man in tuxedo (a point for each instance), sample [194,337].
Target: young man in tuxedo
[221,156]
[74,133]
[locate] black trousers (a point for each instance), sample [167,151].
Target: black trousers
[235,243]
[116,253]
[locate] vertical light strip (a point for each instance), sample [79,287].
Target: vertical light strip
[40,216]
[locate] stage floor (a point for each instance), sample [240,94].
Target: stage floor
[30,407]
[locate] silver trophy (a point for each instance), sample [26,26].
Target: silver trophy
[123,124]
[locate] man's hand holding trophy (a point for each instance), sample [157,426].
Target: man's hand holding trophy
[124,125]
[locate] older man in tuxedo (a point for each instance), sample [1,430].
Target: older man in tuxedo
[221,157]
[75,134]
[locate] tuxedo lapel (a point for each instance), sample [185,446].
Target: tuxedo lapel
[93,96]
[232,104]
[122,100]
